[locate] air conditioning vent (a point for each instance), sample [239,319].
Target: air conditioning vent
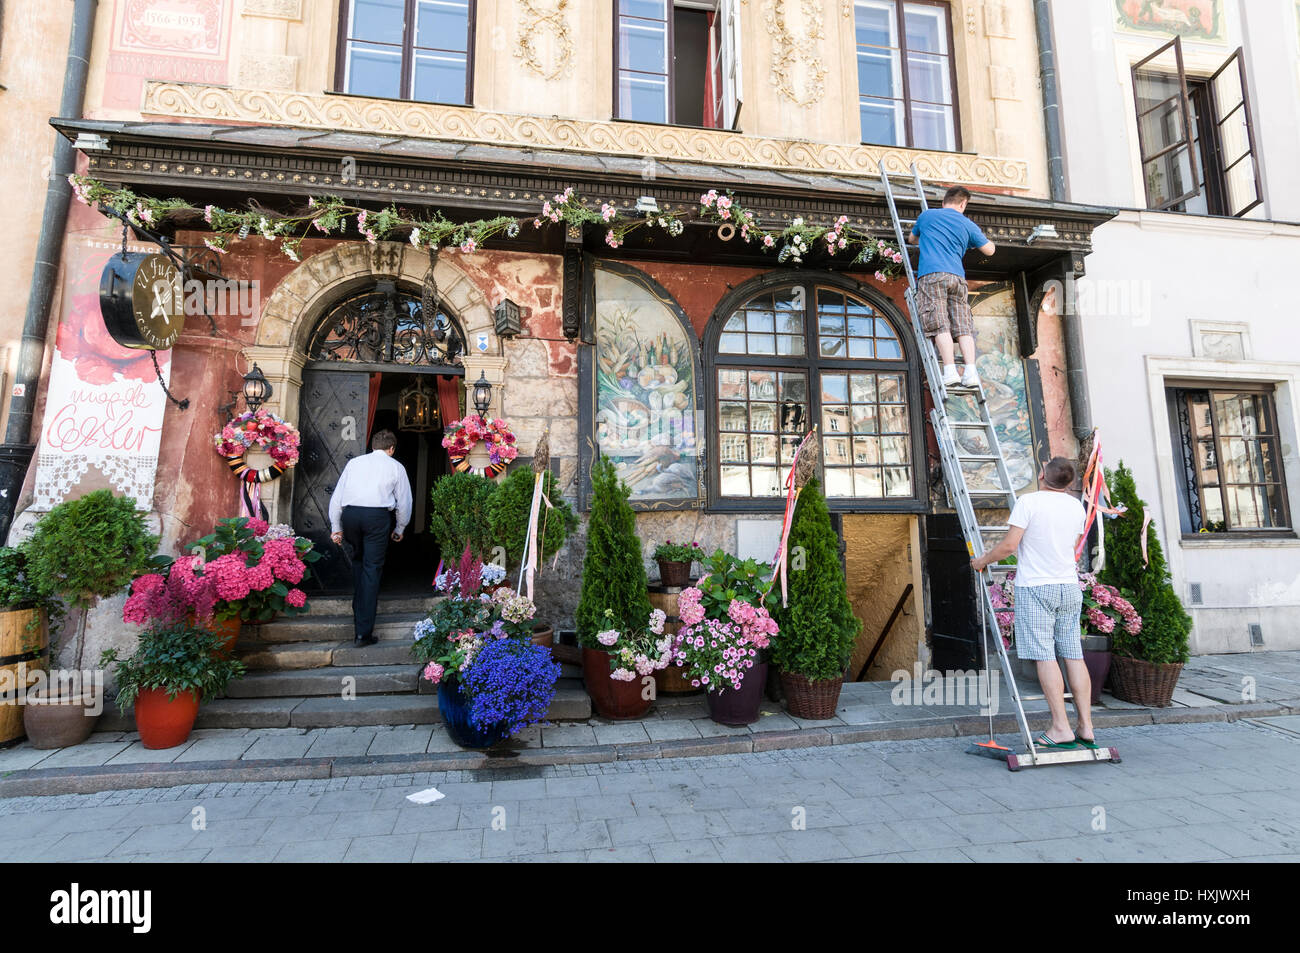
[1256,635]
[1195,588]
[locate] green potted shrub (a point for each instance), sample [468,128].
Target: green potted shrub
[459,515]
[81,551]
[614,595]
[1146,663]
[509,509]
[818,627]
[24,638]
[675,560]
[175,667]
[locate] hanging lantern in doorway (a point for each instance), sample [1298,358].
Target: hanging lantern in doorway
[415,410]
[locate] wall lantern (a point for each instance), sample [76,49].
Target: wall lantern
[508,323]
[482,394]
[257,389]
[415,410]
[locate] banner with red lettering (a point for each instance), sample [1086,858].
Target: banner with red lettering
[104,409]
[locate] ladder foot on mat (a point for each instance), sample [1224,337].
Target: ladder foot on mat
[1034,759]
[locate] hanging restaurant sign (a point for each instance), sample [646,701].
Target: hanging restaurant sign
[141,297]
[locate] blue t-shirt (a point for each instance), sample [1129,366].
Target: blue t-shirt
[945,234]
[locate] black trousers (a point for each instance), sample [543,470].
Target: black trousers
[366,531]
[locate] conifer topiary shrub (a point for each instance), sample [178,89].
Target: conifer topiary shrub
[510,507]
[818,627]
[613,574]
[459,515]
[1165,625]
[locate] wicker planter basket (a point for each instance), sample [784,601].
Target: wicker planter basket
[812,700]
[1144,683]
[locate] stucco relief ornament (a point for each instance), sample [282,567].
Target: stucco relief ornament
[545,43]
[796,29]
[262,430]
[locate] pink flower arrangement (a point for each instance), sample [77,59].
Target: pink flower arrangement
[464,434]
[756,625]
[718,653]
[261,429]
[1104,608]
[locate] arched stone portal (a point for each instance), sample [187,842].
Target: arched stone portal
[301,299]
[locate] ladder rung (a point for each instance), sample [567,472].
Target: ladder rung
[1038,698]
[1004,492]
[970,424]
[975,457]
[984,528]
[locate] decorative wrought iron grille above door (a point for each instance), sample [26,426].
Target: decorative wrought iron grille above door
[387,325]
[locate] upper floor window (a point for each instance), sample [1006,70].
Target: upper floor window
[407,49]
[1232,476]
[803,354]
[1194,135]
[677,62]
[906,89]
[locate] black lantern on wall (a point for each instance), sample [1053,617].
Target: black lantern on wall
[415,410]
[257,389]
[482,394]
[508,319]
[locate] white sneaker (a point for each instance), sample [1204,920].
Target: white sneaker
[950,375]
[971,378]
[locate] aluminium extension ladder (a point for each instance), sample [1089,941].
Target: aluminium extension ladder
[977,449]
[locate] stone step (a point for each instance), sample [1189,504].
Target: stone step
[283,656]
[341,604]
[366,680]
[570,704]
[331,628]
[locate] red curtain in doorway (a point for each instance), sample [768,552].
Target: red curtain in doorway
[448,399]
[375,380]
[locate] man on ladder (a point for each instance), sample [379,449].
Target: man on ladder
[943,299]
[1045,528]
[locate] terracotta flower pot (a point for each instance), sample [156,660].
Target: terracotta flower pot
[165,722]
[226,631]
[543,635]
[739,707]
[814,700]
[611,698]
[674,573]
[60,722]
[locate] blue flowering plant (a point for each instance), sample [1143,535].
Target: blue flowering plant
[510,684]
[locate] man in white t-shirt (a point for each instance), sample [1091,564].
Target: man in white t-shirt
[1045,530]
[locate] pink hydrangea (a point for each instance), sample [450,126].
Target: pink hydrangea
[259,527]
[296,598]
[607,638]
[433,672]
[230,576]
[688,606]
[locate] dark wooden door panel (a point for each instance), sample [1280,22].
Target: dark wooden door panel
[332,420]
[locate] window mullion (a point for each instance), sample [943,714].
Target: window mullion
[1218,459]
[902,67]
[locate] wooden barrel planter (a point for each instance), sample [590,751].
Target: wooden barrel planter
[24,651]
[612,699]
[669,681]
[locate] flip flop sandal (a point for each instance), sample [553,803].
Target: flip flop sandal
[1086,742]
[1047,742]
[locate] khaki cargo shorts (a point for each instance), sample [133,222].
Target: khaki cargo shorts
[944,303]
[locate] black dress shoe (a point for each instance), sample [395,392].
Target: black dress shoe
[368,640]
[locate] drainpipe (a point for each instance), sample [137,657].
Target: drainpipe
[1071,326]
[16,452]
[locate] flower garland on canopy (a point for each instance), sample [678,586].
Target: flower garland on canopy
[463,435]
[262,429]
[330,215]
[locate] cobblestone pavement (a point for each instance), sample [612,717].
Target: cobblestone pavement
[1184,793]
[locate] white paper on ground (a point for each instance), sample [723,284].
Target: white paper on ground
[427,796]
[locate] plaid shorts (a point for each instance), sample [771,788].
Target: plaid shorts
[1047,614]
[944,302]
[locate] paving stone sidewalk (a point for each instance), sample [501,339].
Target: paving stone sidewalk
[1212,792]
[1212,688]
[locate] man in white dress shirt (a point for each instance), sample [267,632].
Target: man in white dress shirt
[370,505]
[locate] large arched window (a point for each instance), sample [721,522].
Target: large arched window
[786,355]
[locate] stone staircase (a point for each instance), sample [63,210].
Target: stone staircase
[299,669]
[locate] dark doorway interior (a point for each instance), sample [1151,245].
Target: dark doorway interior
[410,564]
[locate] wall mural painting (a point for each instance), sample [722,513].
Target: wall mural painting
[1003,373]
[1194,19]
[645,377]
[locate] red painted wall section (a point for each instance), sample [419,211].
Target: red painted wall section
[536,284]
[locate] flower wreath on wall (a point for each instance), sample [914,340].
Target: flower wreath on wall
[464,434]
[265,431]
